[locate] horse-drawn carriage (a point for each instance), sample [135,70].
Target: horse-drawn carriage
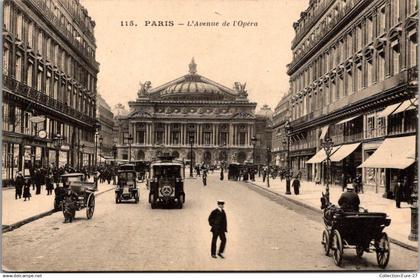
[77,194]
[360,230]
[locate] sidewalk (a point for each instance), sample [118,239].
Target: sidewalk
[310,195]
[15,211]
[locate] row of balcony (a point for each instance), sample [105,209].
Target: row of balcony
[38,97]
[323,30]
[41,6]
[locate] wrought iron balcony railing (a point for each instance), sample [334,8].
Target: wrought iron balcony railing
[36,96]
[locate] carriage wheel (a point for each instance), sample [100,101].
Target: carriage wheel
[337,246]
[90,208]
[383,250]
[326,242]
[359,250]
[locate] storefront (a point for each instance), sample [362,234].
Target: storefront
[389,162]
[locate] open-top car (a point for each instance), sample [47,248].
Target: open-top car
[76,194]
[166,182]
[126,187]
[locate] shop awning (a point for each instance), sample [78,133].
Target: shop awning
[347,120]
[343,152]
[406,105]
[389,110]
[324,132]
[320,156]
[395,153]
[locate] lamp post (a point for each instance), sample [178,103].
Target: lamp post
[57,143]
[100,148]
[82,148]
[288,130]
[328,145]
[254,143]
[130,140]
[191,154]
[414,196]
[268,166]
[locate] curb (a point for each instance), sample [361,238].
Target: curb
[393,240]
[11,227]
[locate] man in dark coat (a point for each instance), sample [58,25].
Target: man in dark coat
[19,182]
[204,177]
[218,223]
[349,201]
[296,185]
[221,174]
[37,181]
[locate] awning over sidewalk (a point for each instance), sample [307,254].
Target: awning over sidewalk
[406,105]
[320,156]
[343,152]
[347,120]
[395,153]
[388,110]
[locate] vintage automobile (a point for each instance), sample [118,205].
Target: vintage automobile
[82,190]
[126,186]
[166,182]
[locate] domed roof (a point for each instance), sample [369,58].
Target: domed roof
[265,111]
[191,87]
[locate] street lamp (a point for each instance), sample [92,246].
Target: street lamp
[253,142]
[288,130]
[414,196]
[82,148]
[328,145]
[268,166]
[191,154]
[100,148]
[57,143]
[130,140]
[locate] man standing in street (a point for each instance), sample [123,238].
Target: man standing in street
[218,223]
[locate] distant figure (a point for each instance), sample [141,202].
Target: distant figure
[49,185]
[19,182]
[204,177]
[221,174]
[398,193]
[296,185]
[27,191]
[218,223]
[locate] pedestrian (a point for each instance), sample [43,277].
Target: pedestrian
[343,181]
[204,177]
[296,185]
[218,223]
[27,190]
[264,175]
[37,181]
[49,185]
[19,183]
[221,174]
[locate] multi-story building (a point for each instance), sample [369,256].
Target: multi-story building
[220,121]
[353,78]
[279,135]
[105,118]
[49,84]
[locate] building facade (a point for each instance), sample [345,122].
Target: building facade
[219,122]
[49,84]
[105,118]
[353,78]
[279,135]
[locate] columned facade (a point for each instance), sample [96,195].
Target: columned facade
[221,121]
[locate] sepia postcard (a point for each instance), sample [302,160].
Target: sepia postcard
[209,136]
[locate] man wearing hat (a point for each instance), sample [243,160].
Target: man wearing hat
[218,223]
[349,200]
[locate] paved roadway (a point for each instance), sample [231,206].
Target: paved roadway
[264,233]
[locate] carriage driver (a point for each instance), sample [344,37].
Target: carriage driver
[349,201]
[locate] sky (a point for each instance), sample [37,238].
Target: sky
[257,55]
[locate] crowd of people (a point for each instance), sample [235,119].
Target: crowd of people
[50,176]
